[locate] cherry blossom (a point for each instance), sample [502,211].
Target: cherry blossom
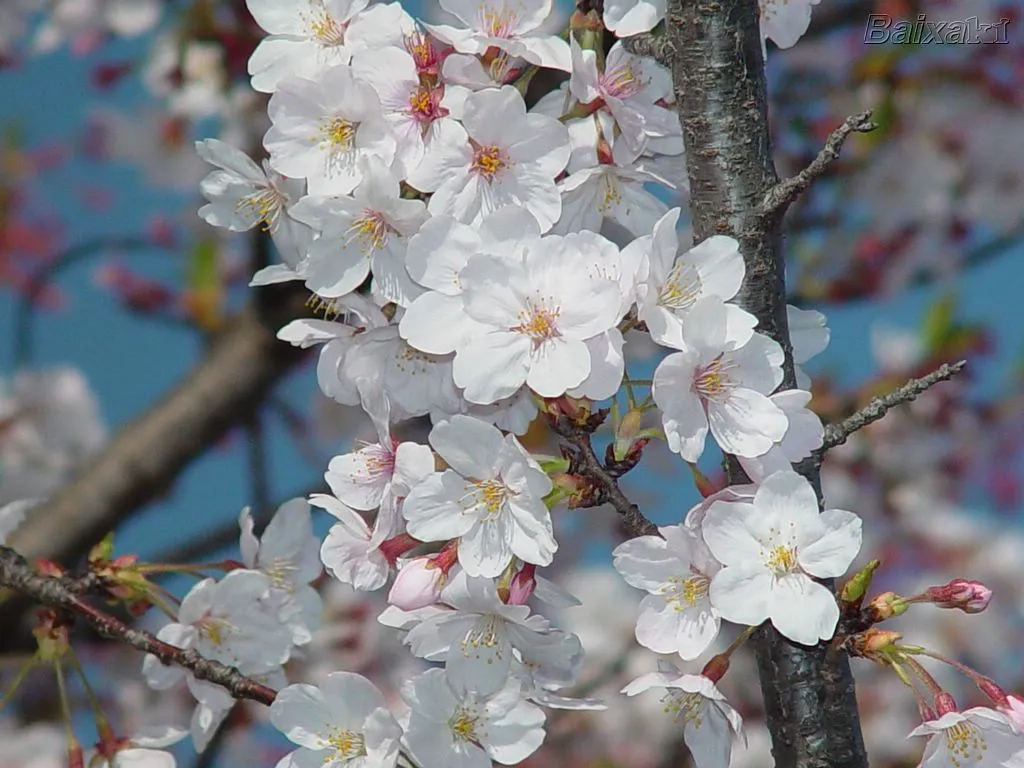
[785,21]
[491,498]
[670,285]
[322,128]
[342,721]
[308,36]
[498,155]
[458,728]
[288,553]
[676,569]
[975,737]
[539,312]
[351,551]
[145,749]
[368,230]
[631,17]
[243,195]
[771,549]
[478,636]
[377,474]
[709,723]
[512,28]
[12,515]
[716,382]
[803,435]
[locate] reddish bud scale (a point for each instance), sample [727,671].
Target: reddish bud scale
[716,668]
[945,703]
[964,594]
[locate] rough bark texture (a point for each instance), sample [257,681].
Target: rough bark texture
[718,71]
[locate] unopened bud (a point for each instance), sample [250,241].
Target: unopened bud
[967,595]
[76,759]
[522,585]
[887,605]
[873,642]
[855,589]
[716,668]
[103,550]
[418,584]
[945,703]
[629,429]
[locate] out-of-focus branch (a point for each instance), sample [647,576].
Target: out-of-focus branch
[239,368]
[58,592]
[836,434]
[780,196]
[586,464]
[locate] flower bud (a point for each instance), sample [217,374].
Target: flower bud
[418,584]
[522,585]
[873,642]
[967,595]
[854,589]
[887,605]
[945,703]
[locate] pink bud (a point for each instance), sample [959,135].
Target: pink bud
[418,584]
[967,595]
[945,703]
[522,586]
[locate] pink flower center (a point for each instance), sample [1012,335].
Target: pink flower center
[489,161]
[713,382]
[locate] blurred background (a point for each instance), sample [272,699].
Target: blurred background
[913,247]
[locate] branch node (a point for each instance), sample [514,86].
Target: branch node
[782,195]
[837,434]
[657,47]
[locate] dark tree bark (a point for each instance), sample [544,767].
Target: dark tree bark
[718,72]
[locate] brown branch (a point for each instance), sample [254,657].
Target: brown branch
[586,464]
[721,98]
[143,460]
[62,593]
[836,434]
[658,47]
[780,196]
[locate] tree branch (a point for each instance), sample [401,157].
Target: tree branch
[719,81]
[782,195]
[586,464]
[658,47]
[62,593]
[836,434]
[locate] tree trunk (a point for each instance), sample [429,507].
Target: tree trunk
[718,74]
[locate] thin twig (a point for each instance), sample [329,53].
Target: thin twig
[59,592]
[836,434]
[779,197]
[658,47]
[587,465]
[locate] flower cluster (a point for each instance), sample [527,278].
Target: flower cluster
[476,259]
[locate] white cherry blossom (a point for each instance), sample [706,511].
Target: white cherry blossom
[308,36]
[351,551]
[436,321]
[710,724]
[498,155]
[975,738]
[478,636]
[803,435]
[320,129]
[809,335]
[510,27]
[368,230]
[676,569]
[144,749]
[242,195]
[539,311]
[631,17]
[377,474]
[717,383]
[344,721]
[411,107]
[785,21]
[771,549]
[609,192]
[670,284]
[288,553]
[458,729]
[490,498]
[628,88]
